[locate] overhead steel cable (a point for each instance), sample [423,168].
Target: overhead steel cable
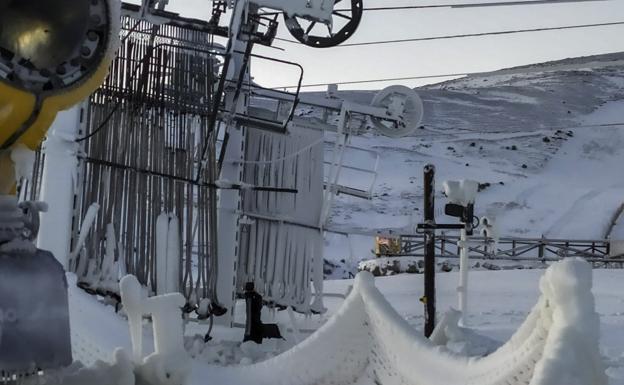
[465,35]
[503,72]
[473,5]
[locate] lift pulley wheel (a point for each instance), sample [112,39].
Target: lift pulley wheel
[404,108]
[345,21]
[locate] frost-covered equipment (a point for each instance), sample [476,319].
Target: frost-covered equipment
[345,17]
[53,53]
[281,244]
[359,171]
[34,313]
[395,111]
[145,130]
[462,195]
[403,105]
[257,237]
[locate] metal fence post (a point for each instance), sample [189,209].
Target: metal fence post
[429,214]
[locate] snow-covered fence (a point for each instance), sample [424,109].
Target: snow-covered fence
[520,249]
[367,341]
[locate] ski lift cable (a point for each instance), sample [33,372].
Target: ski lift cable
[478,34]
[512,71]
[473,5]
[303,149]
[463,5]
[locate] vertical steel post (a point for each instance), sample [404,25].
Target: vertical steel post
[429,213]
[462,289]
[230,200]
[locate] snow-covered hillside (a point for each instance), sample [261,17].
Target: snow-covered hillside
[537,142]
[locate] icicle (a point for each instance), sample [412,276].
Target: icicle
[87,223]
[173,255]
[162,240]
[108,277]
[317,276]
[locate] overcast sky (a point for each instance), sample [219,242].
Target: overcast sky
[441,56]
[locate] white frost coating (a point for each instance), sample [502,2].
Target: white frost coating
[162,230]
[173,255]
[169,364]
[87,223]
[132,300]
[461,192]
[224,184]
[445,329]
[571,356]
[167,253]
[110,270]
[367,338]
[490,230]
[167,320]
[464,266]
[58,184]
[24,160]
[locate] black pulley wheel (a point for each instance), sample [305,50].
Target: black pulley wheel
[345,21]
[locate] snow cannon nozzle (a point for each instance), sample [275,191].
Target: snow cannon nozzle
[53,54]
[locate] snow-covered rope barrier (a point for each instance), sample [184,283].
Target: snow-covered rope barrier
[368,342]
[556,345]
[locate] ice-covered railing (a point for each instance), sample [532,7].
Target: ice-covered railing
[368,342]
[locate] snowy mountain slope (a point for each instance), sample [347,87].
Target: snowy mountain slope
[527,136]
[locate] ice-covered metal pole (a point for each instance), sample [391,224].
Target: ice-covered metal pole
[230,200]
[462,289]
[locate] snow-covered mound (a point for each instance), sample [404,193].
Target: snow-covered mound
[368,342]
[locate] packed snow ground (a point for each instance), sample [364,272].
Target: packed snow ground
[499,303]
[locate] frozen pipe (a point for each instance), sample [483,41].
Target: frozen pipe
[109,277]
[293,322]
[167,322]
[87,223]
[173,255]
[162,239]
[132,300]
[462,289]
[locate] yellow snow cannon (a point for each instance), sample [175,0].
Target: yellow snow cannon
[53,54]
